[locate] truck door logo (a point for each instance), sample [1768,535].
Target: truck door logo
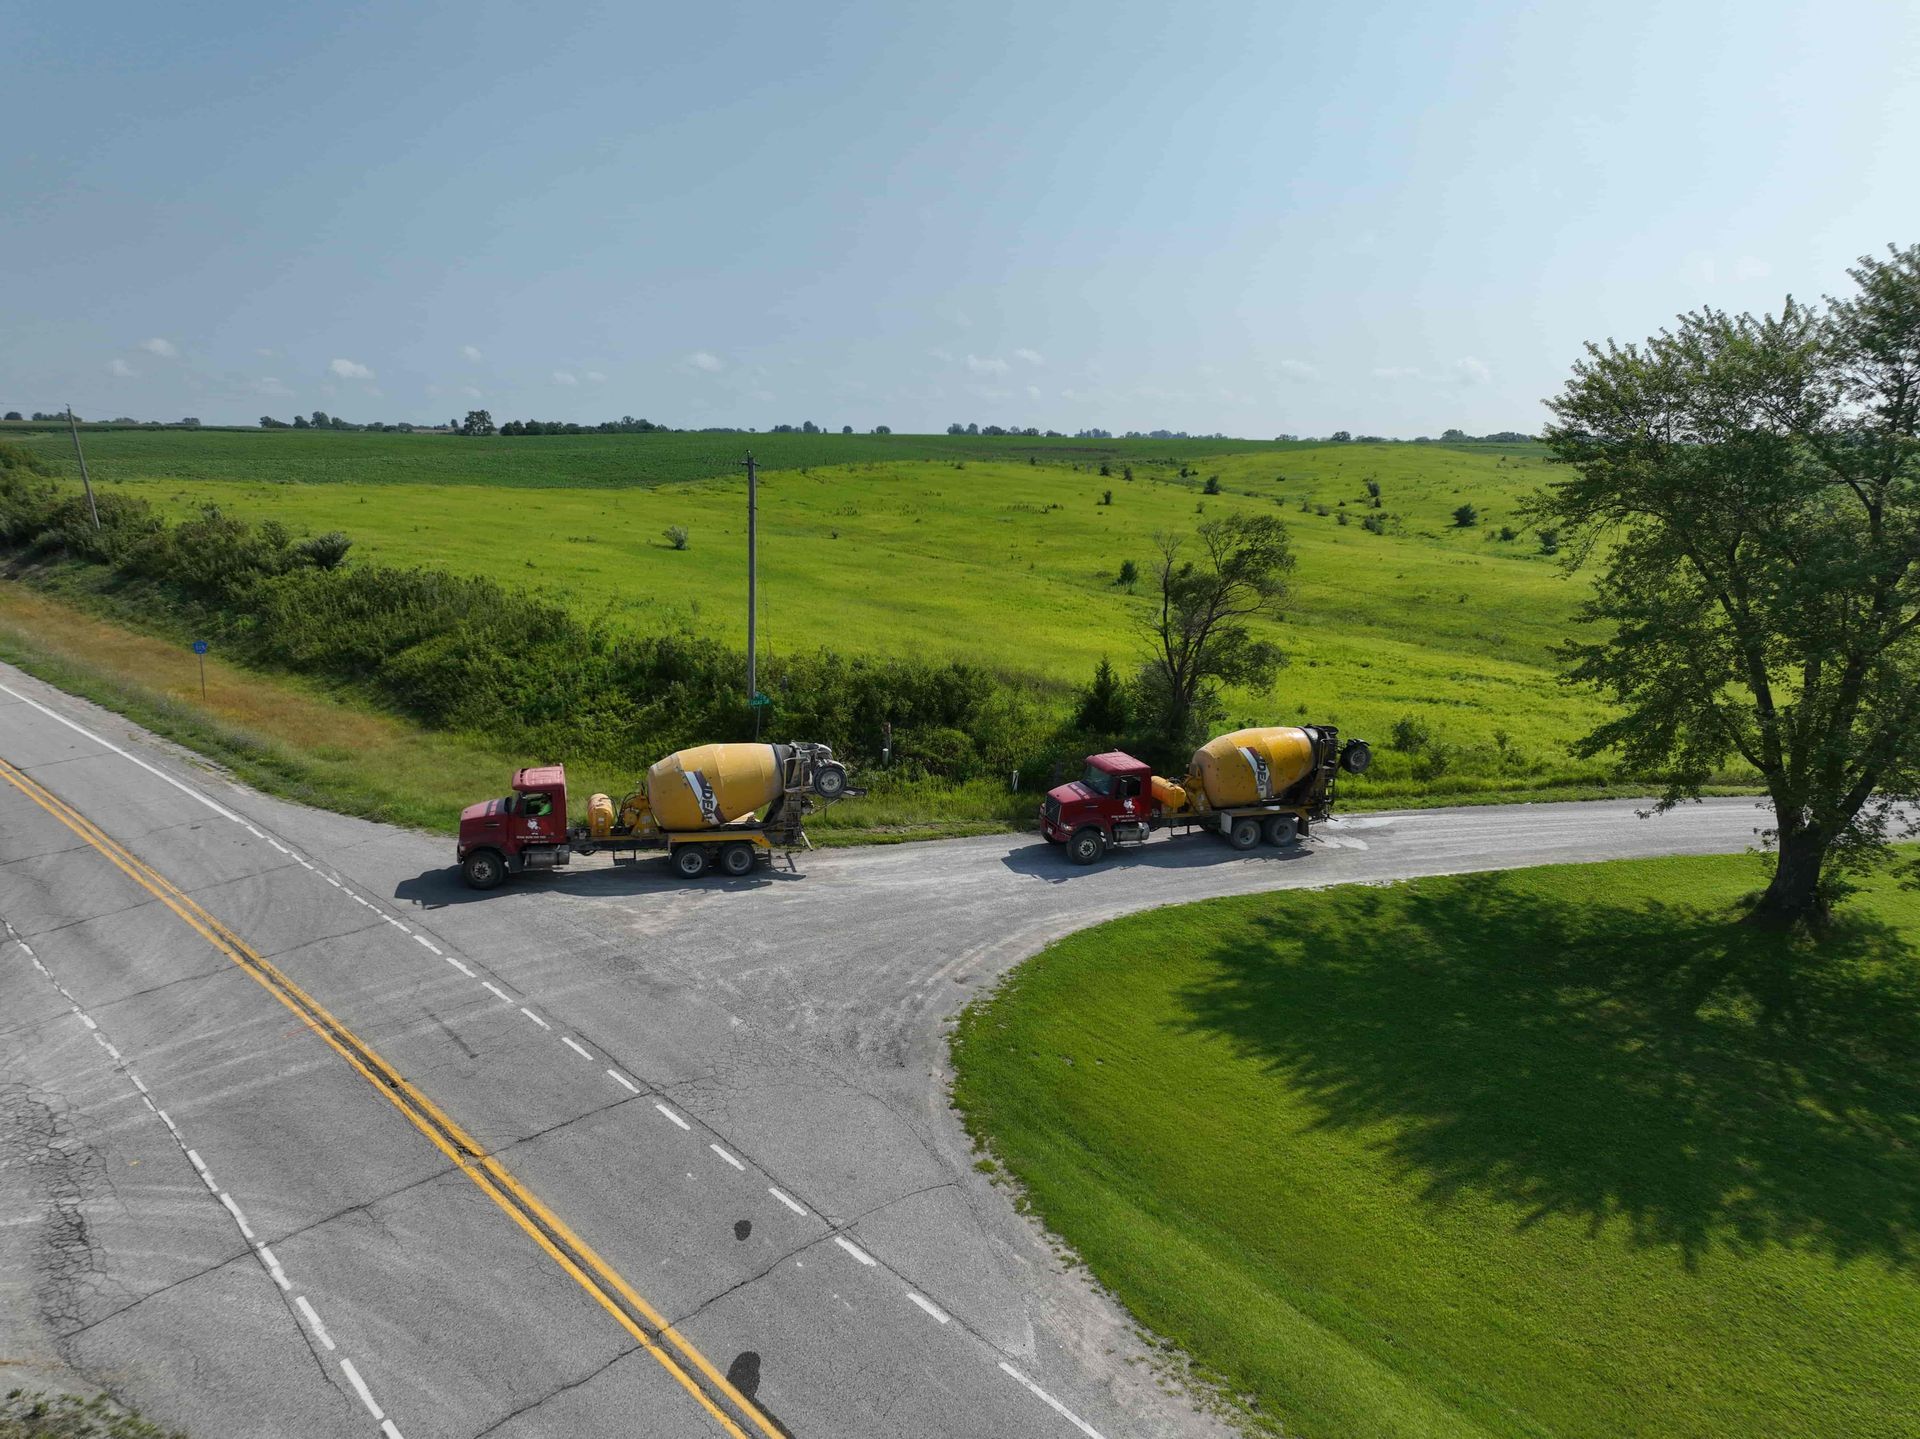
[703,792]
[1262,777]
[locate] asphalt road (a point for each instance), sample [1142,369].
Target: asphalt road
[300,1137]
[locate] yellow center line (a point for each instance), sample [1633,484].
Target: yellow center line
[574,1256]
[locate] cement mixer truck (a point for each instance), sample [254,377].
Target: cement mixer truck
[719,807]
[1248,786]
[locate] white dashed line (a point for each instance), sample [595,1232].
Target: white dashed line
[332,881]
[396,924]
[940,1315]
[459,966]
[301,862]
[166,1121]
[86,1020]
[854,1249]
[198,1163]
[1052,1403]
[279,846]
[238,1218]
[313,1321]
[620,1078]
[273,1265]
[568,1041]
[386,1428]
[535,1018]
[425,943]
[360,1388]
[674,1117]
[504,996]
[252,831]
[795,1205]
[137,1084]
[728,1157]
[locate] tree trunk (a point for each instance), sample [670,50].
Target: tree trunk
[1794,895]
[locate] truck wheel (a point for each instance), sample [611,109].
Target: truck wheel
[690,861]
[1281,830]
[1357,757]
[1245,833]
[830,781]
[736,860]
[1086,846]
[484,869]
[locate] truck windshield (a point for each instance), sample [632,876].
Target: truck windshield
[1097,780]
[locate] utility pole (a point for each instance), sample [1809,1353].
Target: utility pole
[74,430]
[753,541]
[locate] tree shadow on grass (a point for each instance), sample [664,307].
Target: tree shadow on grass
[1708,1086]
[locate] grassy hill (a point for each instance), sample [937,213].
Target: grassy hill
[1560,1152]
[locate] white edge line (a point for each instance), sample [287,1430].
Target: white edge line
[795,1205]
[313,1320]
[674,1117]
[620,1078]
[360,1388]
[1052,1403]
[854,1249]
[728,1157]
[567,1040]
[185,789]
[940,1315]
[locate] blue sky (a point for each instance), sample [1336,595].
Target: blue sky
[1249,217]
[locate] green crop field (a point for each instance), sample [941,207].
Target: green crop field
[1558,1152]
[1009,561]
[350,456]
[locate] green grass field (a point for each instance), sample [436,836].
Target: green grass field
[1558,1152]
[1000,561]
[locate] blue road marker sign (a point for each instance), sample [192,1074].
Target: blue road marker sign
[200,647]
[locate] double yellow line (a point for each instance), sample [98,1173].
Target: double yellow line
[715,1393]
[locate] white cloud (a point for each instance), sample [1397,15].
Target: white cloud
[350,370]
[163,348]
[264,353]
[1397,372]
[470,391]
[1033,392]
[123,370]
[563,377]
[271,386]
[594,377]
[1298,370]
[1470,371]
[1032,357]
[706,360]
[992,365]
[945,357]
[471,352]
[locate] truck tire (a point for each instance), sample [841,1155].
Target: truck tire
[1357,757]
[830,781]
[1245,833]
[690,861]
[736,860]
[1086,845]
[1280,830]
[484,869]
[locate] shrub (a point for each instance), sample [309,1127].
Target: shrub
[676,536]
[1374,523]
[1373,491]
[1509,534]
[325,552]
[1106,497]
[1129,575]
[1410,734]
[1212,486]
[1341,516]
[1465,517]
[1549,542]
[1106,470]
[1432,762]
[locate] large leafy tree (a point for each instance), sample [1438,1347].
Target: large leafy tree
[1749,490]
[1209,587]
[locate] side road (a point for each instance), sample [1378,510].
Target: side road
[729,1095]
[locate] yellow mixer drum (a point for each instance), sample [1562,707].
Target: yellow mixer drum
[1251,765]
[714,784]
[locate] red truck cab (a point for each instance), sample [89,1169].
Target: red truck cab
[1112,798]
[526,829]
